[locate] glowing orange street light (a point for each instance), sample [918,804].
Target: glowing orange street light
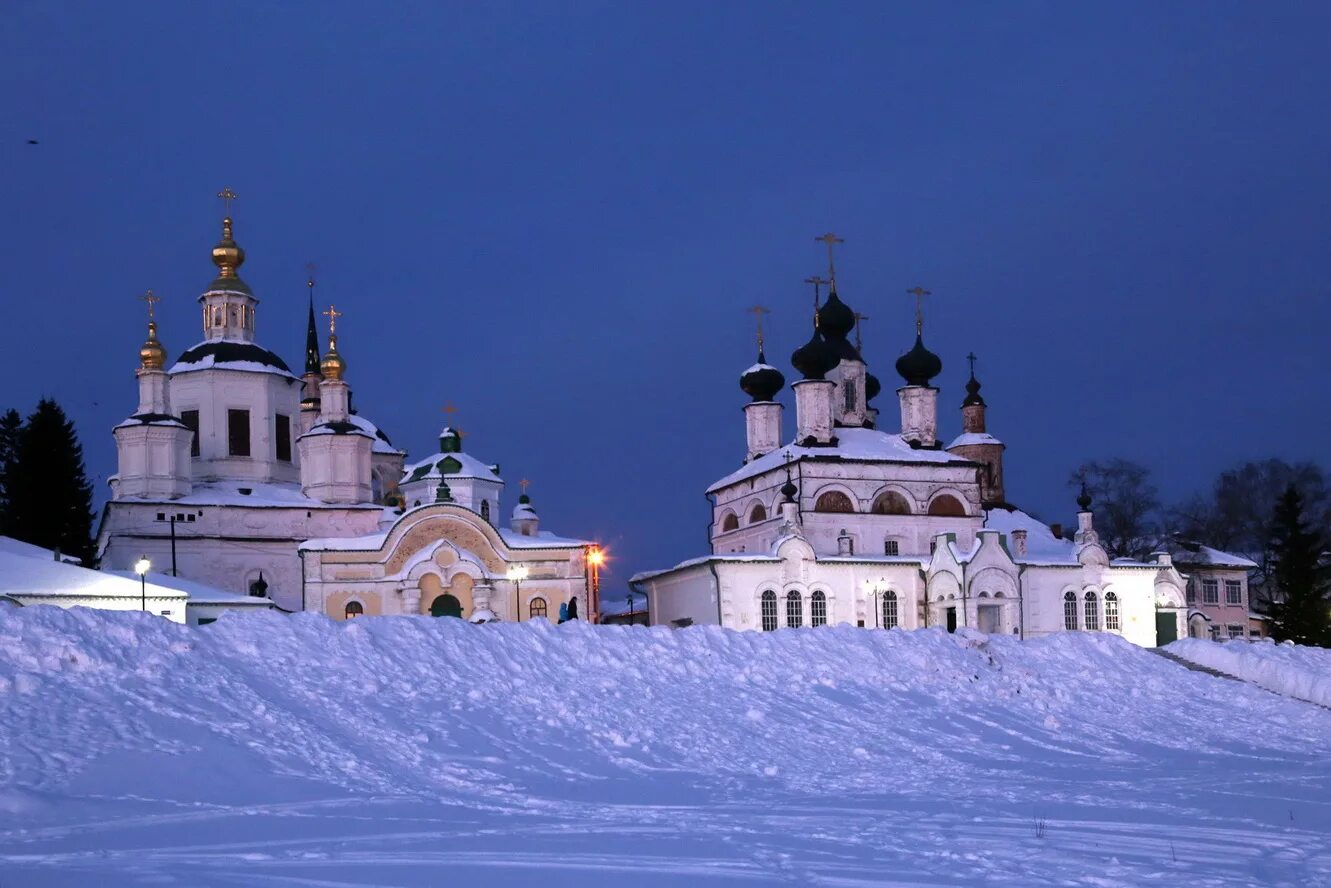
[595,558]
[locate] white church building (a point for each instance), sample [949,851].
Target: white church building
[846,523]
[241,475]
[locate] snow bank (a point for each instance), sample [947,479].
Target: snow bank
[1292,670]
[271,749]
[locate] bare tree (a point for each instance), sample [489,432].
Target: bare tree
[1125,502]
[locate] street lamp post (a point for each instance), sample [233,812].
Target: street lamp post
[141,567]
[630,607]
[595,558]
[516,574]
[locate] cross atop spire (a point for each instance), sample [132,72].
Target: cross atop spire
[817,294]
[310,268]
[524,484]
[919,293]
[449,410]
[227,196]
[151,300]
[971,358]
[758,311]
[831,240]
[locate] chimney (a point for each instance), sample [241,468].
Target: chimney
[1057,529]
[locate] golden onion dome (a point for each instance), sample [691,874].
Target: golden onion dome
[332,366]
[227,254]
[152,355]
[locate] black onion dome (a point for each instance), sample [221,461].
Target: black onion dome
[835,321]
[919,365]
[1084,499]
[762,381]
[815,358]
[973,398]
[788,490]
[871,387]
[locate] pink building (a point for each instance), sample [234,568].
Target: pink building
[1217,591]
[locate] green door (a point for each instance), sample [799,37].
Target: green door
[1166,627]
[446,606]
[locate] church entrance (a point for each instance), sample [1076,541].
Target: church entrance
[1166,627]
[446,606]
[986,618]
[951,619]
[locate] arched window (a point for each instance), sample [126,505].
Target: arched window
[1069,611]
[757,513]
[794,610]
[946,505]
[730,521]
[890,617]
[1092,612]
[769,610]
[833,501]
[537,608]
[890,503]
[818,609]
[354,609]
[1111,612]
[485,510]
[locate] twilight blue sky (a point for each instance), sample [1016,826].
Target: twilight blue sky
[554,215]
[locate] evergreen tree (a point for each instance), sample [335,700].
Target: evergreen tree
[50,499]
[1300,611]
[11,425]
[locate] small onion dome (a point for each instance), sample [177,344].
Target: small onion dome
[815,358]
[524,508]
[1084,499]
[332,366]
[227,254]
[762,381]
[450,440]
[919,365]
[788,490]
[871,387]
[973,398]
[152,356]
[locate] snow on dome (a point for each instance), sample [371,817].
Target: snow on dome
[857,445]
[228,354]
[455,464]
[973,438]
[381,442]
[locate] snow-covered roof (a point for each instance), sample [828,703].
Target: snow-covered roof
[18,547]
[855,445]
[512,539]
[973,438]
[1195,554]
[230,354]
[437,466]
[198,592]
[381,442]
[24,574]
[1042,547]
[367,543]
[541,540]
[261,495]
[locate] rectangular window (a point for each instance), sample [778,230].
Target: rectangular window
[891,547]
[1233,592]
[1235,630]
[190,419]
[238,432]
[1215,632]
[1210,591]
[850,396]
[1192,592]
[282,426]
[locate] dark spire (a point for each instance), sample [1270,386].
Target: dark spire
[311,333]
[973,398]
[1084,499]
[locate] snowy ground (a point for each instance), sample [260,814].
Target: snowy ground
[1293,670]
[267,750]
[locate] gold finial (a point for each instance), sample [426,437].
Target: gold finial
[758,311]
[919,293]
[152,355]
[227,255]
[859,343]
[332,366]
[831,240]
[817,295]
[227,196]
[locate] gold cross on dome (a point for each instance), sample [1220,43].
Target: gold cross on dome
[919,293]
[151,300]
[831,240]
[227,196]
[449,410]
[333,314]
[859,344]
[524,484]
[758,311]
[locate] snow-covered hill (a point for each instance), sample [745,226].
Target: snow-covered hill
[272,750]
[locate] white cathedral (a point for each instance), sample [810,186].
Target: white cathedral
[847,523]
[236,473]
